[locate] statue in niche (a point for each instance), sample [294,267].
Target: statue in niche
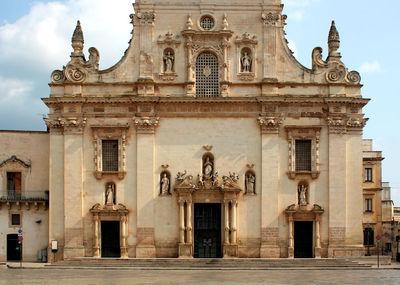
[164,184]
[169,60]
[110,194]
[208,169]
[302,191]
[250,184]
[246,62]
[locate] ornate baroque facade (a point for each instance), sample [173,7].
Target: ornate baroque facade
[207,139]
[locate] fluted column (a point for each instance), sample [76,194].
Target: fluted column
[233,222]
[226,226]
[189,222]
[182,221]
[96,247]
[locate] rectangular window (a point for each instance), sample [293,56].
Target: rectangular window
[303,155]
[368,205]
[15,219]
[368,175]
[110,155]
[14,181]
[369,236]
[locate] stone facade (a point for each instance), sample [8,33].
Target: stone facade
[208,110]
[24,193]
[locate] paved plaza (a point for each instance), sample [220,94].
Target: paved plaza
[133,276]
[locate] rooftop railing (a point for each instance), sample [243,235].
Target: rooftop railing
[24,196]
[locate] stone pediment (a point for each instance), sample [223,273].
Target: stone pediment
[14,158]
[109,209]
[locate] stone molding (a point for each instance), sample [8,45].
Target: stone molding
[103,132]
[341,124]
[72,125]
[14,158]
[312,133]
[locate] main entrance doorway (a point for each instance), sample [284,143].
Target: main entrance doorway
[14,249]
[110,239]
[303,239]
[207,231]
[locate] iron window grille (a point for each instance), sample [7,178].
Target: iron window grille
[369,236]
[15,219]
[303,155]
[207,79]
[207,23]
[110,155]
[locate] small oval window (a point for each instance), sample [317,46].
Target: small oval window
[207,23]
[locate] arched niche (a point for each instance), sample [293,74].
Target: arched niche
[110,194]
[303,193]
[246,60]
[169,60]
[165,183]
[250,182]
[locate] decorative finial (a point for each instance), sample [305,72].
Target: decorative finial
[333,41]
[225,23]
[189,23]
[77,40]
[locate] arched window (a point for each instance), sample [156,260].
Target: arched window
[207,81]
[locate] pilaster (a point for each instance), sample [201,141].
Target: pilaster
[269,185]
[146,188]
[73,187]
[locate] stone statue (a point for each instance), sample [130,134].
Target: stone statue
[164,184]
[302,195]
[250,183]
[246,62]
[169,60]
[110,194]
[208,169]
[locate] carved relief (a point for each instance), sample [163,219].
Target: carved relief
[78,69]
[342,124]
[146,18]
[333,70]
[269,125]
[246,61]
[146,124]
[270,19]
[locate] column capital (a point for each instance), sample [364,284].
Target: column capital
[269,124]
[146,125]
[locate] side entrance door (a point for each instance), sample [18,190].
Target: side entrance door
[303,239]
[110,239]
[14,249]
[207,231]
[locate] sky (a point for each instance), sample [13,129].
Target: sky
[35,39]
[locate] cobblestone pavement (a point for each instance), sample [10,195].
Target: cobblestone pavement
[129,276]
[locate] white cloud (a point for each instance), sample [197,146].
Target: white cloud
[293,47]
[41,39]
[370,67]
[14,91]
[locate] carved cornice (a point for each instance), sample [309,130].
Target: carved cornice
[14,158]
[74,125]
[246,39]
[270,125]
[273,19]
[146,125]
[146,18]
[343,124]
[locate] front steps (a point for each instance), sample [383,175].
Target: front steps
[205,263]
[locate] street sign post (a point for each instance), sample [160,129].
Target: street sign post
[378,239]
[20,238]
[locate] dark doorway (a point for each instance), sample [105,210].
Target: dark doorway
[303,239]
[14,249]
[110,239]
[207,231]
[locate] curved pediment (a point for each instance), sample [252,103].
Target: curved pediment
[14,158]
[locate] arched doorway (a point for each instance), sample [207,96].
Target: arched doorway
[14,249]
[207,75]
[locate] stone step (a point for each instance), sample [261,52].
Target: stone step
[209,263]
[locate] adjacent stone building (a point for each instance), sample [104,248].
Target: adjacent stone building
[207,139]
